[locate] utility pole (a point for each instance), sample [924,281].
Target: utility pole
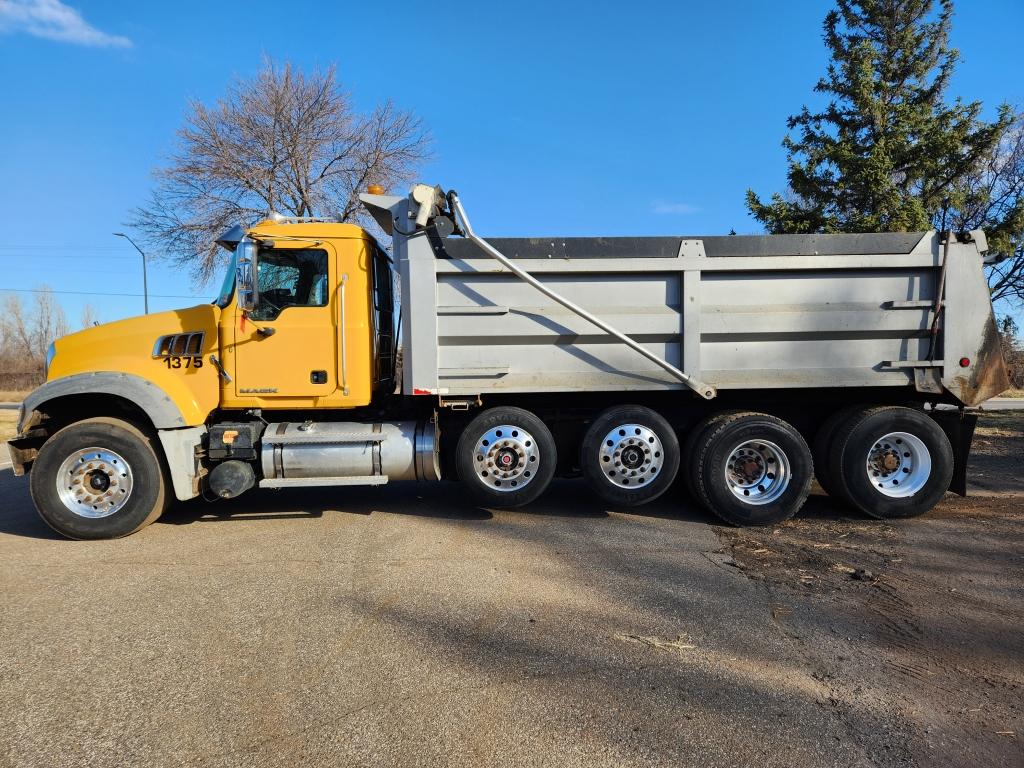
[145,283]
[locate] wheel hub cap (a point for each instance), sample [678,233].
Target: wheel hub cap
[631,456]
[94,482]
[506,458]
[98,480]
[757,472]
[898,465]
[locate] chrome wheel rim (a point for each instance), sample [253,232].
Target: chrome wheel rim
[898,465]
[757,472]
[631,456]
[506,458]
[94,482]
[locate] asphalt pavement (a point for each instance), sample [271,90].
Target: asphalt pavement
[396,626]
[1003,404]
[399,626]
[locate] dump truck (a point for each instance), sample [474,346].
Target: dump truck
[731,369]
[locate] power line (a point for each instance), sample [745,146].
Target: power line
[59,247]
[78,256]
[96,293]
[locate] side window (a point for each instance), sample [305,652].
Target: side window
[290,277]
[383,317]
[382,282]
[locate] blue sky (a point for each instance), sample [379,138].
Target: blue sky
[549,118]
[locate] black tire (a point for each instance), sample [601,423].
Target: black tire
[529,446]
[621,436]
[822,443]
[147,496]
[770,439]
[689,470]
[854,442]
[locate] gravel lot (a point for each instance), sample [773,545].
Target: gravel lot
[397,626]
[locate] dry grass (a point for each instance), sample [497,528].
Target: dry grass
[1001,424]
[1018,393]
[8,426]
[12,395]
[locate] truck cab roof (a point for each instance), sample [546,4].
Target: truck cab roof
[305,228]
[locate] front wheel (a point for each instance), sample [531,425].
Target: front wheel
[506,457]
[100,478]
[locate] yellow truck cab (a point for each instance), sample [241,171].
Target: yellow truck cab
[320,336]
[328,361]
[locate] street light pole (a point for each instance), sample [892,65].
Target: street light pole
[145,282]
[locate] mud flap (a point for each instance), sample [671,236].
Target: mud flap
[23,452]
[959,428]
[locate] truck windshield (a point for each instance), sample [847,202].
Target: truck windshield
[227,288]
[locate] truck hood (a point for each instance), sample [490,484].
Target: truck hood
[125,345]
[130,346]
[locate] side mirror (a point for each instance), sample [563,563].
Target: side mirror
[245,275]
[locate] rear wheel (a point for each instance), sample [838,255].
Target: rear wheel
[753,469]
[100,478]
[629,455]
[891,462]
[506,457]
[822,443]
[689,470]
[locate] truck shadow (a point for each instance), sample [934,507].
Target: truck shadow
[565,499]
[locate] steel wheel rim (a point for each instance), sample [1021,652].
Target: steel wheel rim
[506,458]
[631,456]
[758,472]
[94,482]
[898,465]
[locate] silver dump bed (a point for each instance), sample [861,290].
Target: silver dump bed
[784,311]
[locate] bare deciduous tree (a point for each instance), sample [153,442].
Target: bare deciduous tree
[283,141]
[25,335]
[992,198]
[89,316]
[1013,350]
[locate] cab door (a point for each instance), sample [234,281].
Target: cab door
[286,348]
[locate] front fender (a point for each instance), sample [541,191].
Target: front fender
[162,411]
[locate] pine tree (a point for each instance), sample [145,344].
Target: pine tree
[888,148]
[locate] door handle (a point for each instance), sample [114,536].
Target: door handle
[220,369]
[265,331]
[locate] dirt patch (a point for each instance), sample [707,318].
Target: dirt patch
[996,461]
[914,622]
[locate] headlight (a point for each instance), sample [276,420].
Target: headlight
[51,351]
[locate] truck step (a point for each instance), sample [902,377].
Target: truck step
[312,482]
[313,437]
[321,432]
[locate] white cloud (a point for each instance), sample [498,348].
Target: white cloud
[53,20]
[675,209]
